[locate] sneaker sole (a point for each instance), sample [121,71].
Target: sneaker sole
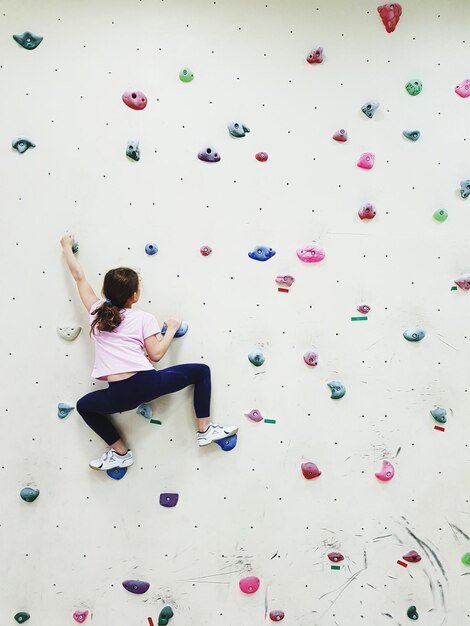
[229,434]
[105,469]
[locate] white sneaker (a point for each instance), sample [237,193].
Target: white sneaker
[111,459]
[214,432]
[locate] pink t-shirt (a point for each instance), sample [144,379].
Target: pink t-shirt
[122,350]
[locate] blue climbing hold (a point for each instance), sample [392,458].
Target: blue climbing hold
[63,409]
[414,334]
[261,253]
[182,330]
[145,410]
[412,135]
[439,414]
[117,472]
[169,499]
[29,494]
[151,248]
[228,443]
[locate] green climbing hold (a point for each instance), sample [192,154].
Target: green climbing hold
[466,559]
[186,76]
[165,615]
[256,357]
[22,617]
[412,613]
[414,87]
[440,215]
[29,494]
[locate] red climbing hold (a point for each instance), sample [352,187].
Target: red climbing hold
[336,557]
[310,470]
[261,156]
[276,616]
[390,14]
[341,135]
[250,584]
[135,100]
[412,557]
[315,55]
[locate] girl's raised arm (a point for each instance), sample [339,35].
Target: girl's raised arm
[87,295]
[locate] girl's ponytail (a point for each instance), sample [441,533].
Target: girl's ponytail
[119,285]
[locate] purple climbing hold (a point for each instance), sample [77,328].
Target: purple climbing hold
[366,161]
[117,472]
[169,499]
[463,281]
[136,586]
[311,358]
[209,154]
[311,254]
[463,88]
[336,557]
[228,443]
[387,471]
[254,415]
[286,280]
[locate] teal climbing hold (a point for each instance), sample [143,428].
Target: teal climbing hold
[22,144]
[337,389]
[257,358]
[186,76]
[145,410]
[22,617]
[75,247]
[412,613]
[29,494]
[63,409]
[133,150]
[28,41]
[439,414]
[414,87]
[440,215]
[237,129]
[412,135]
[414,334]
[165,615]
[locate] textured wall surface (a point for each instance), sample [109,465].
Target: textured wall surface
[249,511]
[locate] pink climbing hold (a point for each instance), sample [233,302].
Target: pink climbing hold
[250,584]
[463,89]
[463,282]
[367,211]
[315,55]
[205,250]
[412,557]
[254,415]
[390,14]
[366,161]
[261,156]
[336,557]
[276,616]
[387,472]
[286,280]
[363,308]
[341,135]
[310,470]
[311,254]
[135,100]
[311,358]
[80,616]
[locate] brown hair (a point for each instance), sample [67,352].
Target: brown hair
[118,286]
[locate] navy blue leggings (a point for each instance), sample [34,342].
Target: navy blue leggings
[127,394]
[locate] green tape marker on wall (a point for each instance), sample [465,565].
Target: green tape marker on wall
[269,421]
[358,319]
[336,567]
[454,288]
[155,422]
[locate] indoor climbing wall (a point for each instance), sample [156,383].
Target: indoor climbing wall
[291,180]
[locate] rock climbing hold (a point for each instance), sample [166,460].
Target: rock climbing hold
[261,156]
[387,472]
[69,333]
[336,557]
[439,414]
[209,154]
[29,494]
[145,410]
[341,135]
[310,470]
[250,584]
[254,415]
[414,87]
[315,55]
[440,215]
[414,334]
[165,615]
[22,617]
[463,88]
[28,40]
[134,100]
[80,616]
[261,253]
[186,76]
[151,248]
[257,357]
[337,389]
[133,150]
[286,280]
[367,211]
[366,161]
[463,282]
[412,557]
[75,247]
[117,473]
[465,560]
[363,308]
[465,188]
[370,108]
[22,144]
[182,330]
[237,129]
[412,135]
[136,586]
[412,613]
[228,443]
[276,616]
[390,14]
[169,499]
[205,250]
[311,254]
[63,409]
[311,358]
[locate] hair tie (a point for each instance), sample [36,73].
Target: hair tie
[107,301]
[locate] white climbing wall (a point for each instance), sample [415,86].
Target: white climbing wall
[249,511]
